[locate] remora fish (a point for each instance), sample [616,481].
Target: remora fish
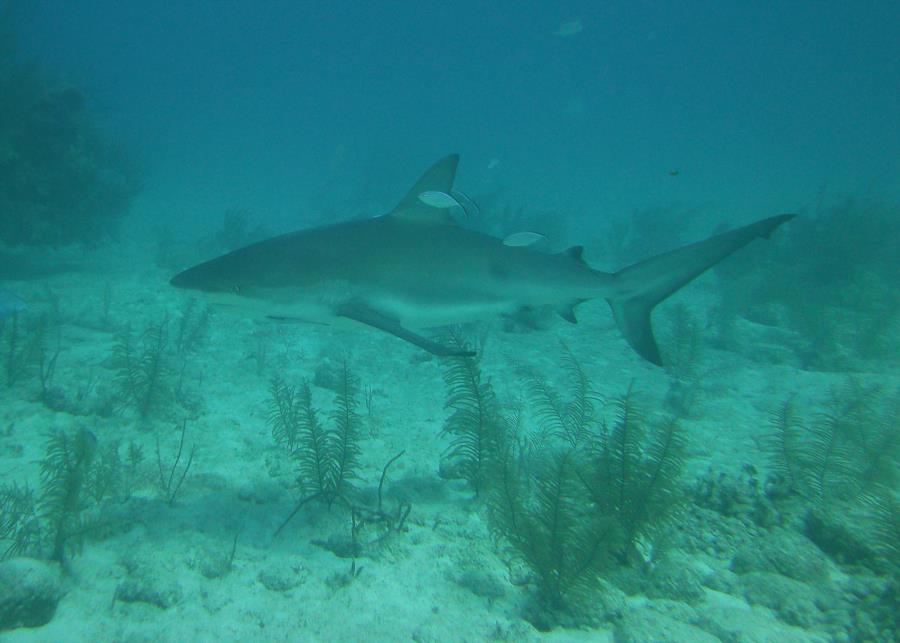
[415,268]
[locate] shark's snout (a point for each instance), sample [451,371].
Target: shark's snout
[191,279]
[210,277]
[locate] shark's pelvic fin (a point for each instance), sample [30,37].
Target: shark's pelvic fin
[438,178]
[645,284]
[366,315]
[567,311]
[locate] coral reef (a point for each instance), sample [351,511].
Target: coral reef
[61,180]
[842,462]
[578,496]
[76,477]
[476,428]
[831,280]
[327,458]
[22,343]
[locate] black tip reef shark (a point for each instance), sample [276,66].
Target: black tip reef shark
[415,268]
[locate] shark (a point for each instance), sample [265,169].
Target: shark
[417,268]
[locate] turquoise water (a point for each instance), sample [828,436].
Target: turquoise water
[155,440]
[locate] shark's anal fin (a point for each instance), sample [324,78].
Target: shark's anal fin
[567,311]
[366,315]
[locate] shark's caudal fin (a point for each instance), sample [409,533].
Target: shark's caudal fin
[647,283]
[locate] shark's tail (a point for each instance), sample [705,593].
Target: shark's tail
[642,286]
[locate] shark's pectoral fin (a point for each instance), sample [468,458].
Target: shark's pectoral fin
[370,317]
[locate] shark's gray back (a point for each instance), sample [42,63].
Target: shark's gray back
[420,262]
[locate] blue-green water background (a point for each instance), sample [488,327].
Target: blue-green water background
[638,128]
[278,106]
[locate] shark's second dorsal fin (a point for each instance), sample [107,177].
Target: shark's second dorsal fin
[576,253]
[438,178]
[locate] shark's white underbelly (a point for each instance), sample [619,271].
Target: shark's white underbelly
[314,308]
[434,314]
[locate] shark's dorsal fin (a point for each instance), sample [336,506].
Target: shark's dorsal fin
[438,178]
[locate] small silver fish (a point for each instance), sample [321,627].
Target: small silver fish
[437,199]
[569,28]
[523,239]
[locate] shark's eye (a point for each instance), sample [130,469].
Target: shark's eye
[236,289]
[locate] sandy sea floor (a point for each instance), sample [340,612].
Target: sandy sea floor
[161,572]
